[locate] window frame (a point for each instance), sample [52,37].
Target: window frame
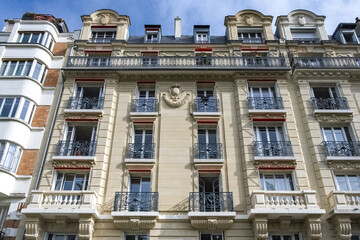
[15,159]
[136,235]
[281,135]
[283,173]
[212,234]
[56,174]
[45,38]
[52,236]
[152,39]
[17,108]
[293,236]
[7,65]
[348,183]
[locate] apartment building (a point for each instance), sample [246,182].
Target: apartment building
[32,51]
[251,135]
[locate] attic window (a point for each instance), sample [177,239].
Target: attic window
[201,37]
[250,35]
[152,34]
[103,35]
[349,37]
[304,34]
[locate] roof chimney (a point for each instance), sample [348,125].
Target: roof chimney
[177,27]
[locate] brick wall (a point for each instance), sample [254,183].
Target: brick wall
[27,162]
[40,116]
[59,49]
[52,77]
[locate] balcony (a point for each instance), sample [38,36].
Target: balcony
[140,155]
[325,63]
[176,62]
[206,109]
[251,40]
[87,105]
[51,204]
[349,150]
[295,204]
[75,151]
[135,210]
[304,40]
[344,202]
[208,155]
[268,107]
[273,150]
[211,209]
[339,103]
[144,109]
[102,40]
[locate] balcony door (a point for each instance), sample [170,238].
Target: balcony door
[262,92]
[80,140]
[269,141]
[209,194]
[205,100]
[146,101]
[88,97]
[208,144]
[140,194]
[325,92]
[143,142]
[336,134]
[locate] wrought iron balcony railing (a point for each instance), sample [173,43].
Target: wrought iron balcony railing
[339,103]
[251,40]
[325,62]
[102,40]
[206,105]
[85,103]
[76,148]
[144,105]
[136,201]
[305,40]
[265,103]
[167,62]
[342,149]
[211,202]
[140,150]
[272,148]
[208,151]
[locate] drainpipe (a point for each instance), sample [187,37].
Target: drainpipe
[50,131]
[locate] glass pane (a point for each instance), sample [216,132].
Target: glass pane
[130,237]
[148,136]
[135,185]
[7,107]
[201,136]
[27,68]
[26,37]
[272,134]
[138,137]
[328,135]
[71,237]
[151,94]
[59,181]
[265,92]
[11,69]
[262,134]
[16,160]
[355,238]
[262,187]
[79,182]
[212,136]
[289,182]
[68,183]
[37,70]
[280,183]
[142,237]
[256,92]
[2,147]
[60,237]
[341,180]
[19,68]
[3,68]
[354,182]
[13,112]
[287,237]
[339,135]
[321,92]
[25,109]
[270,183]
[9,156]
[217,237]
[205,237]
[145,185]
[276,237]
[142,94]
[34,38]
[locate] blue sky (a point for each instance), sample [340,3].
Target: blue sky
[211,12]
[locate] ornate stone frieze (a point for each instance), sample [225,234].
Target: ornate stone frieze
[89,115]
[266,115]
[344,164]
[333,117]
[211,224]
[73,163]
[260,228]
[275,164]
[175,98]
[135,223]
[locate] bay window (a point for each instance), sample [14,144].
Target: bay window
[30,68]
[17,107]
[43,38]
[276,182]
[9,156]
[71,181]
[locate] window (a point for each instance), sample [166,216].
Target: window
[136,237]
[208,146]
[248,35]
[348,182]
[211,236]
[304,35]
[264,97]
[355,237]
[140,196]
[336,134]
[150,59]
[60,236]
[328,98]
[43,38]
[146,100]
[202,37]
[152,37]
[205,99]
[276,182]
[71,181]
[203,59]
[349,36]
[20,108]
[284,237]
[103,36]
[30,68]
[3,214]
[9,156]
[143,143]
[269,134]
[87,97]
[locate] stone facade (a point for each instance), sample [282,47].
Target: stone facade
[251,136]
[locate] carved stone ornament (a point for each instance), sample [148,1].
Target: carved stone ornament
[73,163]
[249,20]
[211,224]
[344,164]
[86,229]
[79,53]
[33,228]
[135,224]
[275,164]
[105,19]
[260,228]
[175,99]
[343,228]
[335,117]
[314,229]
[301,20]
[266,115]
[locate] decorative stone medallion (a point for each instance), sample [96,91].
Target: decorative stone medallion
[175,100]
[249,20]
[301,20]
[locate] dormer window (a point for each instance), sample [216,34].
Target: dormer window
[350,36]
[305,35]
[202,33]
[103,35]
[250,35]
[152,33]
